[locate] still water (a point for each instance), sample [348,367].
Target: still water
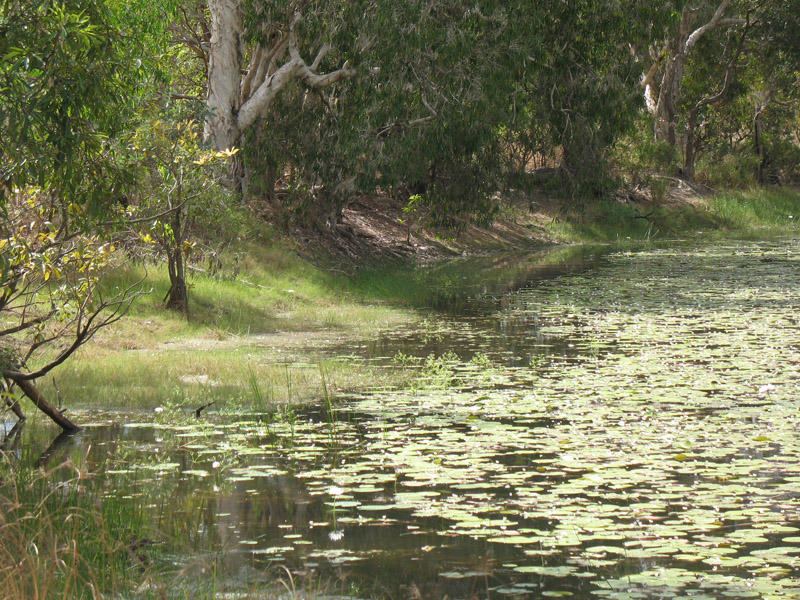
[620,425]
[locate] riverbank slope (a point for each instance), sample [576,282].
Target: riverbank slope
[261,327]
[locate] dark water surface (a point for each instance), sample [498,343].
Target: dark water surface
[621,426]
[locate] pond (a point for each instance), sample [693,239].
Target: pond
[623,427]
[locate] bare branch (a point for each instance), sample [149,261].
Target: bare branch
[314,80]
[701,31]
[320,56]
[262,98]
[111,311]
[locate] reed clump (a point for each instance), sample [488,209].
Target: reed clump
[58,540]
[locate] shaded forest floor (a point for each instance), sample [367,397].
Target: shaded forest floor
[375,229]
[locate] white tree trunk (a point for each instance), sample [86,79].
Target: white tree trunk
[224,73]
[666,107]
[235,99]
[663,104]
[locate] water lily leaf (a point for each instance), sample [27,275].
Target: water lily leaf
[562,571]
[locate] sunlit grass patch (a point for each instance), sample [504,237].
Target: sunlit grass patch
[189,375]
[758,211]
[754,213]
[271,317]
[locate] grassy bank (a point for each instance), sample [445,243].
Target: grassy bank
[256,338]
[755,213]
[263,323]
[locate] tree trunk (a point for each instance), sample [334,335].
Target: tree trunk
[664,108]
[691,125]
[30,390]
[224,73]
[691,141]
[13,406]
[177,297]
[758,141]
[665,111]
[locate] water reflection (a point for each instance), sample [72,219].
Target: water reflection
[614,441]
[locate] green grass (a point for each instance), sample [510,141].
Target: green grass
[758,212]
[58,539]
[438,284]
[184,378]
[270,323]
[274,290]
[755,213]
[602,221]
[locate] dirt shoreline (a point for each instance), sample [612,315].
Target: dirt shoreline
[375,229]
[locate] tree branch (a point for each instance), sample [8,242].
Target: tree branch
[314,80]
[27,324]
[85,331]
[715,21]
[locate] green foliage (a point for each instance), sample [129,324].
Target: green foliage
[456,103]
[65,88]
[50,277]
[640,156]
[728,170]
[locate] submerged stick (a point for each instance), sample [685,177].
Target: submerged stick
[202,408]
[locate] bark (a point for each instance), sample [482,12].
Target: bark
[671,82]
[235,100]
[30,390]
[224,73]
[663,105]
[11,441]
[758,141]
[691,128]
[177,297]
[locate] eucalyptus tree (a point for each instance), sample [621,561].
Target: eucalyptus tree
[663,82]
[255,51]
[574,92]
[419,99]
[703,66]
[767,115]
[434,99]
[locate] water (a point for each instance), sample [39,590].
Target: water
[624,427]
